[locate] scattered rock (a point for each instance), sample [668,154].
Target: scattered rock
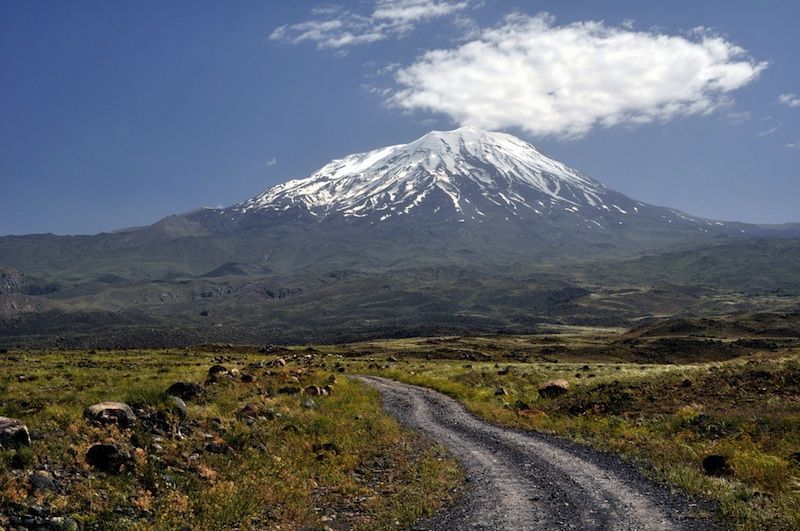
[248,378]
[331,379]
[159,421]
[504,371]
[501,391]
[325,449]
[289,390]
[327,390]
[43,481]
[215,448]
[185,390]
[117,413]
[312,390]
[13,433]
[178,405]
[217,372]
[586,368]
[248,411]
[279,362]
[716,465]
[309,404]
[520,405]
[106,457]
[268,414]
[392,359]
[553,388]
[61,523]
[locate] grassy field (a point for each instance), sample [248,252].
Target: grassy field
[667,418]
[245,454]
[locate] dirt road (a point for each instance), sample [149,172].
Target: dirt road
[520,481]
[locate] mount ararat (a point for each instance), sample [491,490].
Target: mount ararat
[458,231]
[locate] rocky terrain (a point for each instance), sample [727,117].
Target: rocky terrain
[204,440]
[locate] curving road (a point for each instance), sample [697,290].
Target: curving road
[520,481]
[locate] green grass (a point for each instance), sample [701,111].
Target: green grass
[278,473]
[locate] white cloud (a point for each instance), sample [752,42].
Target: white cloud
[564,80]
[336,28]
[271,162]
[793,145]
[792,100]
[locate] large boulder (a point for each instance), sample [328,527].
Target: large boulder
[185,390]
[117,413]
[13,433]
[553,388]
[106,457]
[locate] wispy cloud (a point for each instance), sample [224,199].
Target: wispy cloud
[271,162]
[565,80]
[333,27]
[770,130]
[792,100]
[793,145]
[738,117]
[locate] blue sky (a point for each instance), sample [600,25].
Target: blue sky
[115,114]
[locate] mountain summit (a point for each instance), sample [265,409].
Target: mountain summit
[464,175]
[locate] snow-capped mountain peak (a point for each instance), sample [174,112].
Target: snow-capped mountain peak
[461,175]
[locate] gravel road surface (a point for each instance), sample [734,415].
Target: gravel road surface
[521,480]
